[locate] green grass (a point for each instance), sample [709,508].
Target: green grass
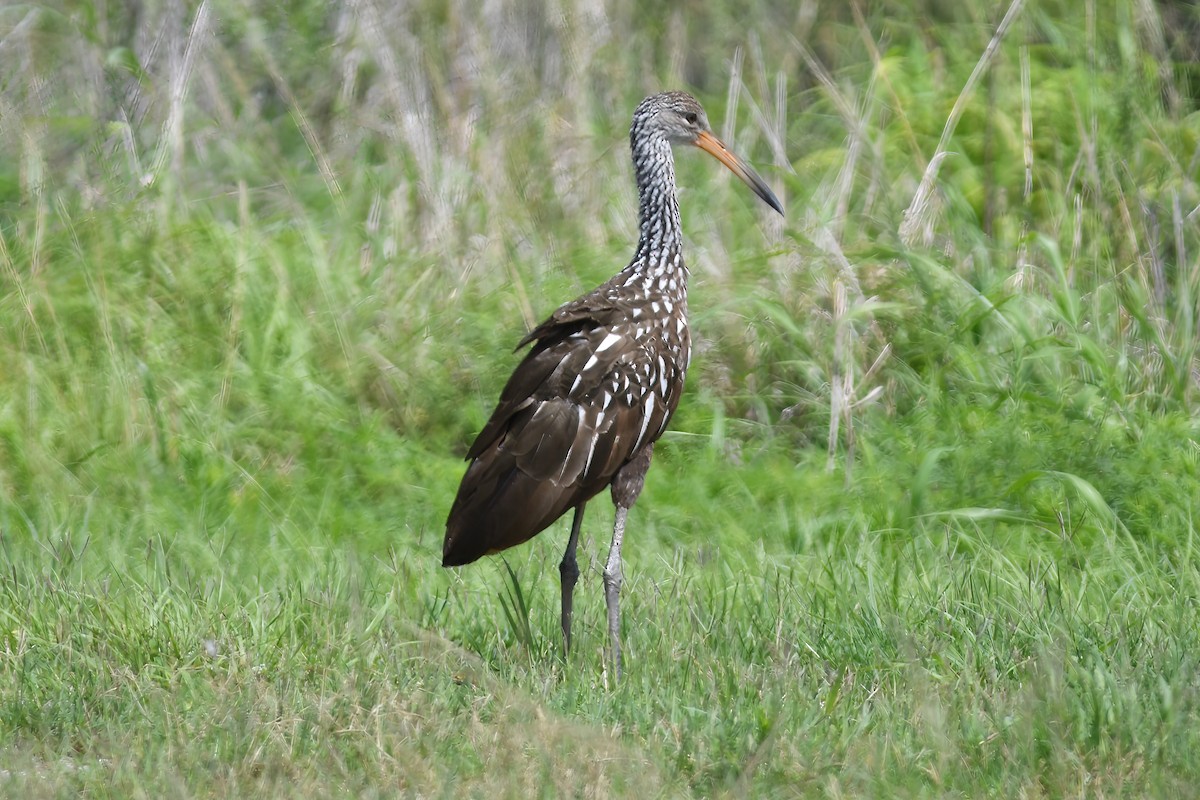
[923,525]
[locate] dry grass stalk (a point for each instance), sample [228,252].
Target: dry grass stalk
[917,223]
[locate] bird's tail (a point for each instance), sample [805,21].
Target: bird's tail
[498,506]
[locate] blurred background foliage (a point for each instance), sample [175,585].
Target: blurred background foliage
[224,221]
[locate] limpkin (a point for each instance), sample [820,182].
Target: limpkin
[583,409]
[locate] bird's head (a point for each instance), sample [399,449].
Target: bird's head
[678,118]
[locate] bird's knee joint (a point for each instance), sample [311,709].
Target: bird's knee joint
[613,578]
[569,571]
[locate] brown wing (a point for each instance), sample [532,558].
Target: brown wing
[573,412]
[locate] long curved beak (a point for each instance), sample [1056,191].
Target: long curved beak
[713,146]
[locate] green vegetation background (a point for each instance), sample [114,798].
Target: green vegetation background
[924,522]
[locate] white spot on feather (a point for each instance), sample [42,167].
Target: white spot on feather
[587,462]
[646,414]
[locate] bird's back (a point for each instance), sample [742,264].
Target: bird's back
[601,382]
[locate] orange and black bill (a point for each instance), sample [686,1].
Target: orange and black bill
[713,146]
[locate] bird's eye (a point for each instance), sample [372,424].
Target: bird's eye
[690,117]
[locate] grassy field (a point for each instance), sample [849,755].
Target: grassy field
[924,523]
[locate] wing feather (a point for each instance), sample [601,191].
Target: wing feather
[570,416]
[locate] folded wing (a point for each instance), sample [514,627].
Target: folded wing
[574,411]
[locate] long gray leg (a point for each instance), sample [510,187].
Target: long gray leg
[612,586]
[625,490]
[568,571]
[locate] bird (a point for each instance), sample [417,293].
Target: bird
[583,409]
